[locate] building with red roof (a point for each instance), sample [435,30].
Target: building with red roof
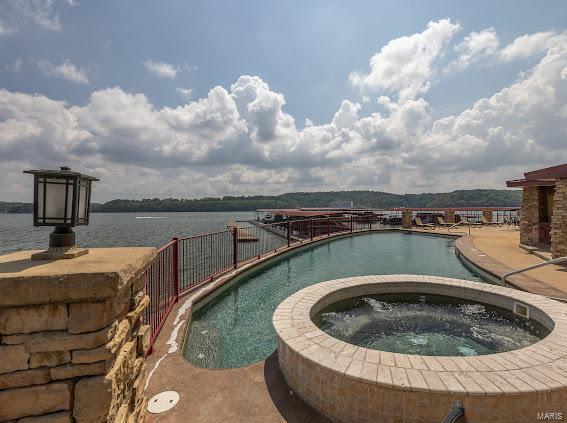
[543,214]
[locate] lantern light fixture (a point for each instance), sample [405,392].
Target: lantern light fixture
[62,198]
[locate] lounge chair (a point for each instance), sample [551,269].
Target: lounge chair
[466,221]
[509,221]
[486,222]
[422,225]
[515,222]
[441,222]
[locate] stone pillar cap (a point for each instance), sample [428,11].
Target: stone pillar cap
[100,274]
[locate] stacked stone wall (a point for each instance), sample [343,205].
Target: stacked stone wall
[530,213]
[69,351]
[559,219]
[449,216]
[407,219]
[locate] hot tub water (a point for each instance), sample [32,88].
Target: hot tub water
[427,325]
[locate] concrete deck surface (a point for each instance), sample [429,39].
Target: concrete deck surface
[251,394]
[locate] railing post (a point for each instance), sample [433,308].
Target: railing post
[311,228]
[288,227]
[350,218]
[175,268]
[328,226]
[370,223]
[235,247]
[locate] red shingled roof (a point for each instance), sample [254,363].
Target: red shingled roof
[540,177]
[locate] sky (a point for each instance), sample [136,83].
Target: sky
[188,99]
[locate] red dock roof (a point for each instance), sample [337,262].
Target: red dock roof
[310,212]
[301,212]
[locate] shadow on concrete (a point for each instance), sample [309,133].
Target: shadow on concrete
[291,407]
[21,265]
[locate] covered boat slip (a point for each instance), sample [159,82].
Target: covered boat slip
[404,216]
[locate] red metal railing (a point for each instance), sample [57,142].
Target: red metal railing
[162,286]
[185,264]
[202,257]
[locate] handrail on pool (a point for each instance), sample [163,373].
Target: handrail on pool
[535,266]
[457,411]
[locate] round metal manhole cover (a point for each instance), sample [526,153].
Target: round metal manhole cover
[162,402]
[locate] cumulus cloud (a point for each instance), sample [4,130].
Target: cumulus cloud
[521,124]
[65,70]
[474,47]
[347,115]
[161,69]
[405,66]
[36,128]
[531,44]
[241,140]
[186,93]
[262,109]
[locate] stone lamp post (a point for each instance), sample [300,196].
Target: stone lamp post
[73,333]
[62,199]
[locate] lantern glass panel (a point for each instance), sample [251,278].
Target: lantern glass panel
[83,200]
[58,200]
[40,197]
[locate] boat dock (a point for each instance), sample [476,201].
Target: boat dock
[244,234]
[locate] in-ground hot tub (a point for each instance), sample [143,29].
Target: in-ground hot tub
[501,352]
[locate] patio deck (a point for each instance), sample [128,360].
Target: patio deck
[258,393]
[254,394]
[502,245]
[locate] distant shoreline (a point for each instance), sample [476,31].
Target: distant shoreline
[369,199]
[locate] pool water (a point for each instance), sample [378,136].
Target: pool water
[427,325]
[235,329]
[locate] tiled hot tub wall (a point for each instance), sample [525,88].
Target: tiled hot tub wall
[354,384]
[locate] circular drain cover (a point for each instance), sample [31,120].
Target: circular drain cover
[162,402]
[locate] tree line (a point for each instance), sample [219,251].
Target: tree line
[374,199]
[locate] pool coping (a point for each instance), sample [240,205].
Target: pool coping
[539,367]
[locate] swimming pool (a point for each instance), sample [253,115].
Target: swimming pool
[235,329]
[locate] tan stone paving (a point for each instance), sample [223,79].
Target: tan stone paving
[502,244]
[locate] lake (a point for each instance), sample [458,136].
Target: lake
[116,229]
